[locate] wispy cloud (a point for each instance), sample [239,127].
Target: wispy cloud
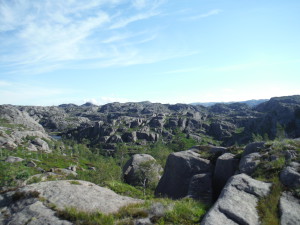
[37,36]
[126,21]
[203,15]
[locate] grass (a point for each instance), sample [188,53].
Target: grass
[185,211]
[85,218]
[75,182]
[128,190]
[267,207]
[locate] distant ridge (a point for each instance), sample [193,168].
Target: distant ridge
[251,103]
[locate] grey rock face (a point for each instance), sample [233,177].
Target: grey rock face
[225,168]
[290,175]
[200,188]
[85,196]
[12,159]
[136,170]
[32,213]
[41,145]
[290,154]
[129,137]
[31,164]
[180,168]
[15,116]
[253,147]
[237,202]
[289,207]
[249,162]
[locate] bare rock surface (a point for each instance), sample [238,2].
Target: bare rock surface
[200,188]
[13,159]
[136,165]
[180,168]
[84,196]
[225,168]
[290,175]
[253,147]
[30,204]
[289,207]
[249,163]
[237,202]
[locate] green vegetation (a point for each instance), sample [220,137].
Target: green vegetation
[75,182]
[85,218]
[239,130]
[184,211]
[267,207]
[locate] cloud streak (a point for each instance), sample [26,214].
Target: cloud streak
[38,36]
[203,15]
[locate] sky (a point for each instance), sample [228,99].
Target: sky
[168,51]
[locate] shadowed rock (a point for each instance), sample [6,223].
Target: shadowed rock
[180,168]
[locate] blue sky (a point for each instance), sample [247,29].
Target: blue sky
[54,52]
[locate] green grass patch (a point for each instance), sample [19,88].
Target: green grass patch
[267,207]
[128,190]
[75,182]
[85,218]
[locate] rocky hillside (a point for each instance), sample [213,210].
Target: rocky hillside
[143,122]
[170,164]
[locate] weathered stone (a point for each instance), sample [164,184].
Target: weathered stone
[237,202]
[41,145]
[249,163]
[180,168]
[226,167]
[136,170]
[290,176]
[13,159]
[290,154]
[129,137]
[31,164]
[83,196]
[253,147]
[200,188]
[65,194]
[289,207]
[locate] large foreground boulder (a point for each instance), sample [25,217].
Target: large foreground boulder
[180,168]
[141,168]
[225,168]
[237,202]
[200,188]
[31,204]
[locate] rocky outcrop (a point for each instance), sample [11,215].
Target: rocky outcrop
[13,159]
[249,163]
[237,202]
[253,147]
[30,204]
[15,116]
[200,188]
[290,175]
[289,207]
[141,168]
[180,168]
[226,167]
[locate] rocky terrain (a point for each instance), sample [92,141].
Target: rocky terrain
[144,122]
[151,163]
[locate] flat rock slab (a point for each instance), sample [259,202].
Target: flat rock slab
[237,202]
[84,196]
